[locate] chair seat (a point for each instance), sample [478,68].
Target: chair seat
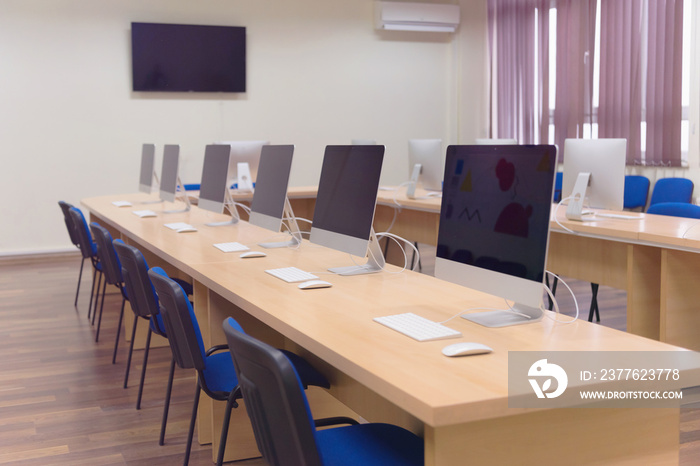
[220,373]
[367,444]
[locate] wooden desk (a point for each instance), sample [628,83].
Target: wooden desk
[459,406]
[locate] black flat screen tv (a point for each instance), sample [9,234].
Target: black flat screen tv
[188,58]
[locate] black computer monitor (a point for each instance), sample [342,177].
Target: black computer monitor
[148,155]
[347,195]
[168,172]
[212,189]
[494,225]
[269,198]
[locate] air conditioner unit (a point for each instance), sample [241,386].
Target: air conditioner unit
[429,17]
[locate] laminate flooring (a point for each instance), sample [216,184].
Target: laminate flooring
[62,401]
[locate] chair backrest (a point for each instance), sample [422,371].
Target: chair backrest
[636,191]
[87,246]
[111,267]
[275,400]
[672,190]
[184,334]
[141,294]
[675,209]
[68,219]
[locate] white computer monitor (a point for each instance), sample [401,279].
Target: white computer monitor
[347,196]
[169,172]
[496,141]
[213,187]
[494,226]
[594,175]
[248,153]
[270,206]
[148,157]
[427,153]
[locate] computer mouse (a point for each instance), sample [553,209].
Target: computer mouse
[251,254]
[313,284]
[465,348]
[186,230]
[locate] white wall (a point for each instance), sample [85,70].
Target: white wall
[318,73]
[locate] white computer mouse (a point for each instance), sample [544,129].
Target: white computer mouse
[465,348]
[252,254]
[313,284]
[186,230]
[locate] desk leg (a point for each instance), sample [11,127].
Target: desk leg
[643,290]
[680,294]
[586,436]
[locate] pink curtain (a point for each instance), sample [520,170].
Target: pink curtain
[519,45]
[575,50]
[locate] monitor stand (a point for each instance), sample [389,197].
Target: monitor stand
[180,188]
[294,230]
[229,204]
[575,211]
[411,190]
[375,261]
[245,181]
[520,314]
[156,201]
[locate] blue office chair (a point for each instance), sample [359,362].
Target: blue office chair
[672,190]
[88,248]
[215,373]
[68,220]
[113,275]
[636,192]
[282,422]
[558,181]
[675,209]
[192,187]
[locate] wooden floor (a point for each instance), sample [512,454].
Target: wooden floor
[62,401]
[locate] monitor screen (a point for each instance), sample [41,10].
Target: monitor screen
[168,173]
[604,159]
[270,194]
[428,153]
[212,190]
[188,58]
[347,195]
[148,155]
[494,219]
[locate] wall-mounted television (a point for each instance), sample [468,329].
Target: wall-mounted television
[188,58]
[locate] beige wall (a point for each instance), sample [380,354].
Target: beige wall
[318,73]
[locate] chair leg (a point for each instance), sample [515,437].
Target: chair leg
[193,419]
[102,306]
[143,369]
[131,350]
[594,303]
[92,292]
[119,330]
[80,277]
[97,296]
[230,404]
[166,406]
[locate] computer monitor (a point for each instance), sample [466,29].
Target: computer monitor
[494,226]
[148,156]
[594,175]
[213,188]
[170,184]
[425,164]
[247,153]
[270,205]
[347,195]
[496,141]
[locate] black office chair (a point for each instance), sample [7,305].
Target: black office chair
[112,270]
[282,422]
[70,226]
[89,250]
[215,373]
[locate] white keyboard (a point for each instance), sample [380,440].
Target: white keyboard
[144,213]
[417,327]
[292,274]
[177,225]
[620,216]
[231,247]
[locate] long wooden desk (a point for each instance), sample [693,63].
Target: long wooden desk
[458,405]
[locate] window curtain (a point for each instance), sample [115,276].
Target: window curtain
[519,49]
[575,50]
[641,75]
